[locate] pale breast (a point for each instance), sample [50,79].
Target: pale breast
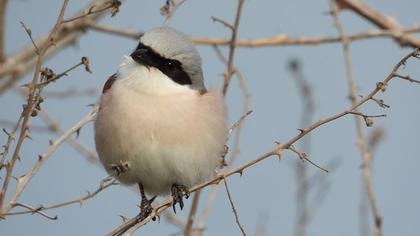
[165,139]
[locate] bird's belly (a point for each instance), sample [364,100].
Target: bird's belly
[160,142]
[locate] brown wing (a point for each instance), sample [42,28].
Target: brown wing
[108,84]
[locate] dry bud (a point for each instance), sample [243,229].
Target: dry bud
[47,74]
[115,7]
[368,121]
[85,62]
[382,86]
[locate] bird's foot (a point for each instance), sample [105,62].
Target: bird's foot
[178,192]
[146,207]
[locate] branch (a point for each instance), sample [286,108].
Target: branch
[105,183]
[112,4]
[232,46]
[361,140]
[23,181]
[3,8]
[135,223]
[191,215]
[375,17]
[233,208]
[169,9]
[22,62]
[279,40]
[114,30]
[302,216]
[33,100]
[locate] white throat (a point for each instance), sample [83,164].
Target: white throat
[147,79]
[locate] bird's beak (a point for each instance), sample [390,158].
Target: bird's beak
[141,56]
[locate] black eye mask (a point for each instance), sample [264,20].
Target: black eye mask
[172,68]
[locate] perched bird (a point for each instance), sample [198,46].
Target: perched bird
[158,126]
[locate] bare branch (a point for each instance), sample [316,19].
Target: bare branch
[379,20]
[169,9]
[232,47]
[278,40]
[112,4]
[17,65]
[114,30]
[35,210]
[304,157]
[302,192]
[3,8]
[105,183]
[25,179]
[33,100]
[233,208]
[135,223]
[191,215]
[29,33]
[361,140]
[407,77]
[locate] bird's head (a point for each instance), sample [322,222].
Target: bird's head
[173,54]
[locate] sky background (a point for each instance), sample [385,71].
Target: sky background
[267,190]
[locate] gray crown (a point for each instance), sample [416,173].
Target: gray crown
[173,44]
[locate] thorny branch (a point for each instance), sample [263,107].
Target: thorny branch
[3,7]
[301,172]
[232,46]
[33,100]
[361,140]
[168,10]
[112,4]
[379,20]
[135,223]
[233,208]
[23,181]
[17,65]
[105,183]
[29,33]
[278,40]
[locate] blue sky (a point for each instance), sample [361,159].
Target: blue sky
[268,188]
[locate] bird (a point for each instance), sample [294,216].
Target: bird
[158,126]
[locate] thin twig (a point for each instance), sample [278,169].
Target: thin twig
[304,157]
[169,9]
[408,78]
[20,63]
[237,127]
[278,40]
[32,101]
[16,66]
[383,22]
[303,189]
[114,30]
[34,210]
[3,8]
[233,208]
[23,180]
[63,94]
[361,140]
[56,77]
[105,183]
[29,33]
[10,138]
[134,223]
[232,47]
[191,215]
[54,126]
[112,4]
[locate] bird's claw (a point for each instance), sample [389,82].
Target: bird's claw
[146,207]
[178,192]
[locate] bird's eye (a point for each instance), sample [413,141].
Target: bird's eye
[170,64]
